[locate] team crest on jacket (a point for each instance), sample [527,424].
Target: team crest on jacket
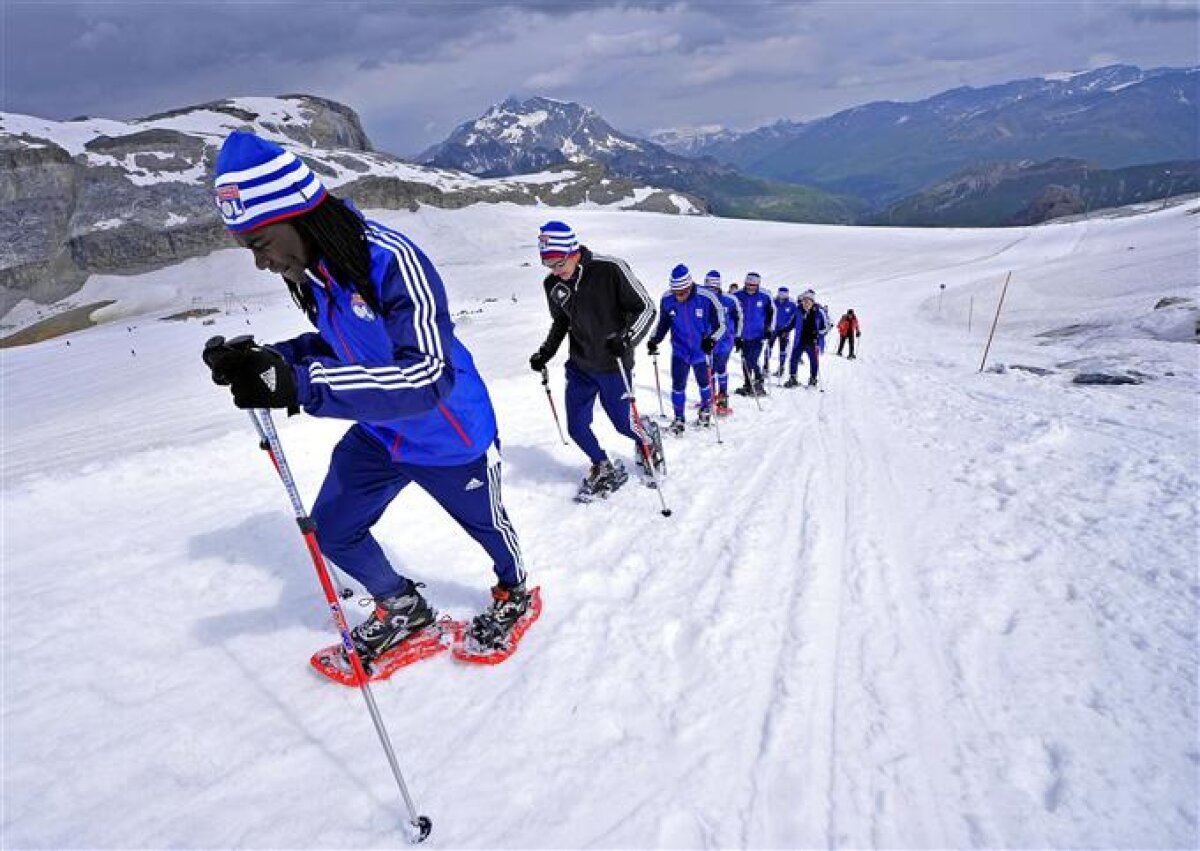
[361,309]
[229,201]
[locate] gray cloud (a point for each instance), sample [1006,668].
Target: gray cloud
[415,70]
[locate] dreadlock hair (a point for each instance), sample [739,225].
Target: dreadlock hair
[338,235]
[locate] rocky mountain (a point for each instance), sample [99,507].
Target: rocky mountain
[1115,117]
[1025,193]
[690,141]
[518,136]
[92,196]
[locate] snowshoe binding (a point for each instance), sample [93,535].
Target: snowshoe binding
[791,382]
[604,478]
[493,635]
[704,418]
[677,426]
[400,631]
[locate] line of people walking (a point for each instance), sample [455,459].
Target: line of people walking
[603,308]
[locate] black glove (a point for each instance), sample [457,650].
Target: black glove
[538,361]
[263,379]
[652,348]
[617,343]
[707,344]
[738,343]
[219,354]
[859,334]
[258,376]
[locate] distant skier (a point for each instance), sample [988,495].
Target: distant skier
[724,347]
[695,318]
[758,320]
[384,357]
[785,321]
[811,323]
[848,331]
[601,305]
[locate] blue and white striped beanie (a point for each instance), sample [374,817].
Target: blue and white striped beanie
[753,278]
[808,294]
[713,279]
[556,239]
[681,278]
[259,183]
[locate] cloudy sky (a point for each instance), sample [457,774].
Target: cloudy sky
[415,70]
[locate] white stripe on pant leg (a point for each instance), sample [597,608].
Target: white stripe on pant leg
[501,522]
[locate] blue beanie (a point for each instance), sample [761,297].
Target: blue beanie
[681,278]
[713,278]
[556,239]
[782,291]
[258,183]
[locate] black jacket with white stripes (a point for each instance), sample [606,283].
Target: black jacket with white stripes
[603,298]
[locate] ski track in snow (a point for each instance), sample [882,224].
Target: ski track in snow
[923,608]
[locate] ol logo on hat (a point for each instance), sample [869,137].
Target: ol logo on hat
[229,200]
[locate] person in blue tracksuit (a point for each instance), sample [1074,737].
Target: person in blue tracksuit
[811,325]
[385,357]
[785,321]
[695,319]
[724,347]
[758,320]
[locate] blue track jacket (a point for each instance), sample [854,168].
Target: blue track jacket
[698,316]
[785,315]
[733,320]
[402,374]
[758,313]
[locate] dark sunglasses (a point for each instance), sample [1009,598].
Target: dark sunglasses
[556,266]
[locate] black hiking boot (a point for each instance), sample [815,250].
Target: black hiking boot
[791,382]
[604,478]
[394,619]
[490,630]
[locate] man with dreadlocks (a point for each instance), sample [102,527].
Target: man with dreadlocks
[384,356]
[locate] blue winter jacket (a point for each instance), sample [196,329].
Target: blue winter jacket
[401,373]
[758,313]
[698,316]
[785,315]
[733,320]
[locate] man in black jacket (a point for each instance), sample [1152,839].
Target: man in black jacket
[600,303]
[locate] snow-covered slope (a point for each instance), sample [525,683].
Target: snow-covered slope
[926,607]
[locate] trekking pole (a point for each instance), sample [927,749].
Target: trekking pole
[419,826]
[658,384]
[666,512]
[995,321]
[550,399]
[747,372]
[263,444]
[712,397]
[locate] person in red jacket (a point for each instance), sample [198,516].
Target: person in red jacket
[848,330]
